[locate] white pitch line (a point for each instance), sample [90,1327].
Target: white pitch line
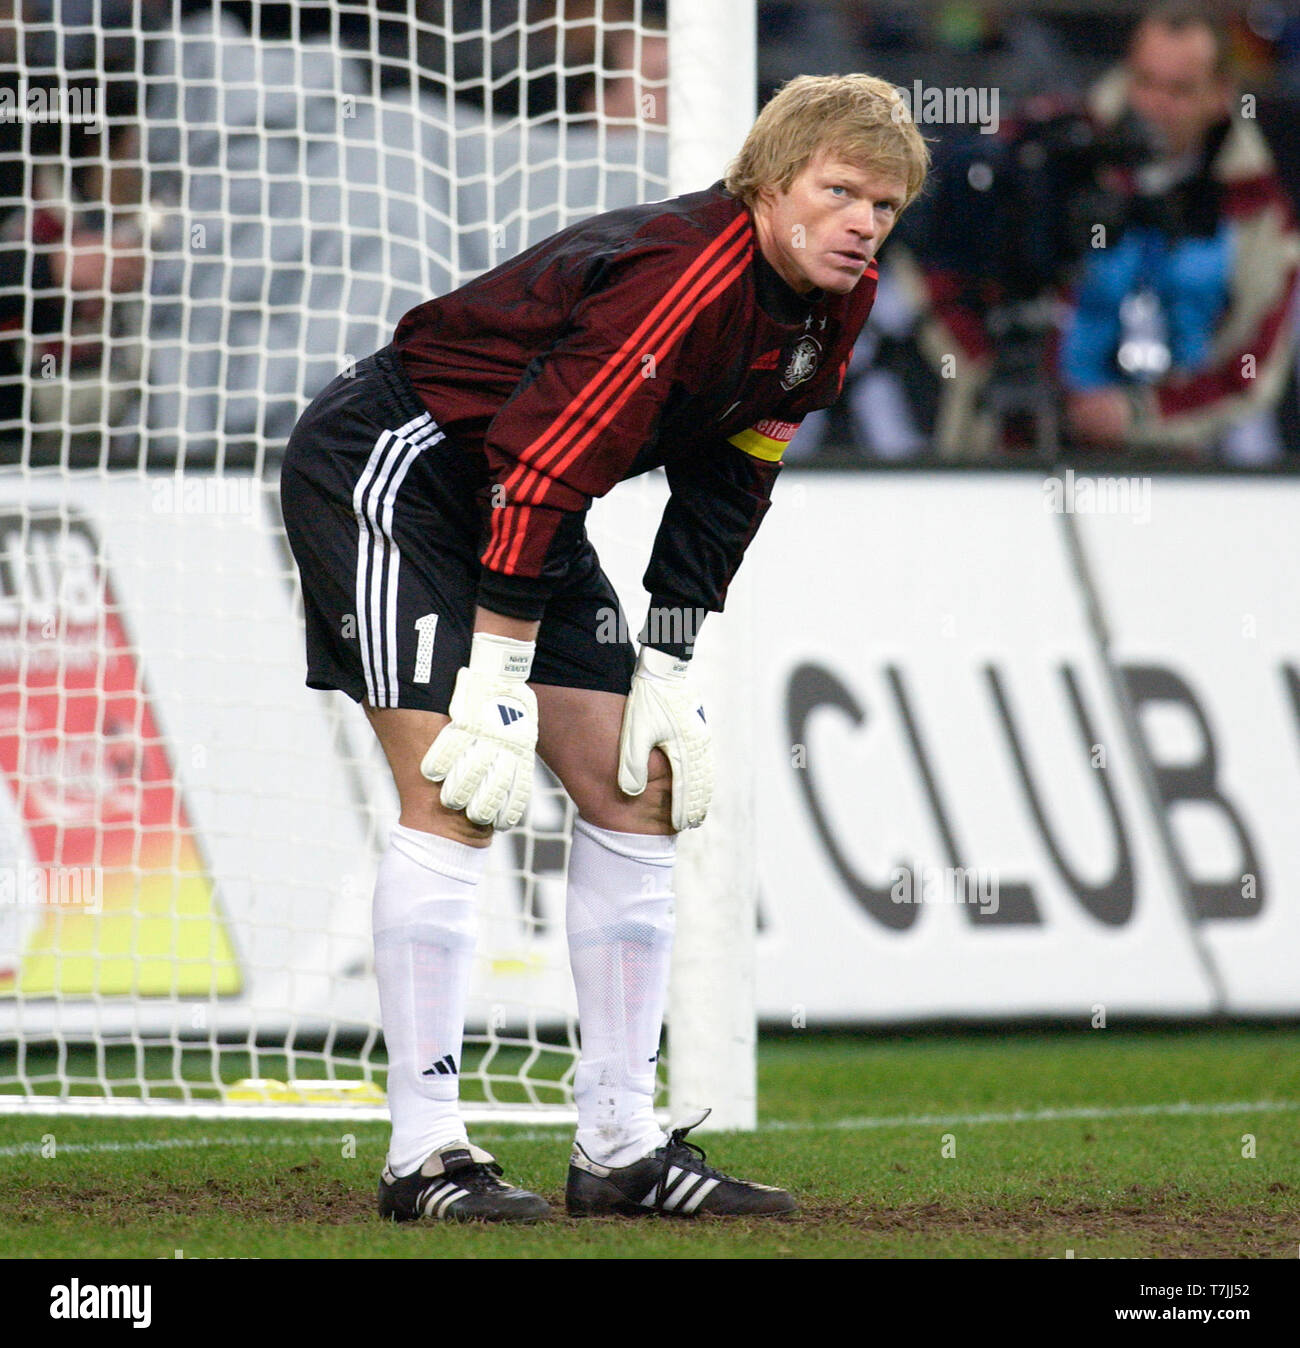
[164,1144]
[535,1134]
[1038,1115]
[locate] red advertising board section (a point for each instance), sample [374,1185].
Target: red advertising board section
[116,898]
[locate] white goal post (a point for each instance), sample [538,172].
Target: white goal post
[188,834]
[710,108]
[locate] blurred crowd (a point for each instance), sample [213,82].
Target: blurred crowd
[1105,259]
[1103,263]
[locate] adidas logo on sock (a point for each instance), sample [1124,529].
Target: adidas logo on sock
[444,1067]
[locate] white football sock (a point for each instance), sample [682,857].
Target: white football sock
[620,930]
[425,924]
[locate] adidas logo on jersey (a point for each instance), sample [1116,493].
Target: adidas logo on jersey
[444,1067]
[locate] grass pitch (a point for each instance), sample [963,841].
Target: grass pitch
[1156,1143]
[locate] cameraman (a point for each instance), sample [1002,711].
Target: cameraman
[1181,322]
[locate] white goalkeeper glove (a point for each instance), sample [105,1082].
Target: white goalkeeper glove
[662,712]
[484,758]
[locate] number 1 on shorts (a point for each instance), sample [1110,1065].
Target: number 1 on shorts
[426,627]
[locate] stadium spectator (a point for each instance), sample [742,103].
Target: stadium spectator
[1170,338]
[72,230]
[247,145]
[71,272]
[535,58]
[634,85]
[1181,325]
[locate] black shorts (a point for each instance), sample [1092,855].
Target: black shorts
[386,517]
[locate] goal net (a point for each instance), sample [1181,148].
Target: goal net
[206,212]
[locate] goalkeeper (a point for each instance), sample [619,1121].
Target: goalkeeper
[435,500]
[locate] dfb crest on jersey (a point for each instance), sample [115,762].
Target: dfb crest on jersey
[804,359]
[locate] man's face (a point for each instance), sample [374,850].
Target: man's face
[824,230]
[1173,86]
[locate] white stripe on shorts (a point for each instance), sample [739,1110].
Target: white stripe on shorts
[378,557]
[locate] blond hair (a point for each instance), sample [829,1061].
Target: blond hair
[859,118]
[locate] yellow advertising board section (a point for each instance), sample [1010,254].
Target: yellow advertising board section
[118,900]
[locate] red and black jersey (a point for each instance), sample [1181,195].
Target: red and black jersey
[647,336]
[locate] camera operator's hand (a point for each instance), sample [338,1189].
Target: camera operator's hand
[1102,417]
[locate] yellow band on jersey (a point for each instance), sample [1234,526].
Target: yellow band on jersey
[765,439]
